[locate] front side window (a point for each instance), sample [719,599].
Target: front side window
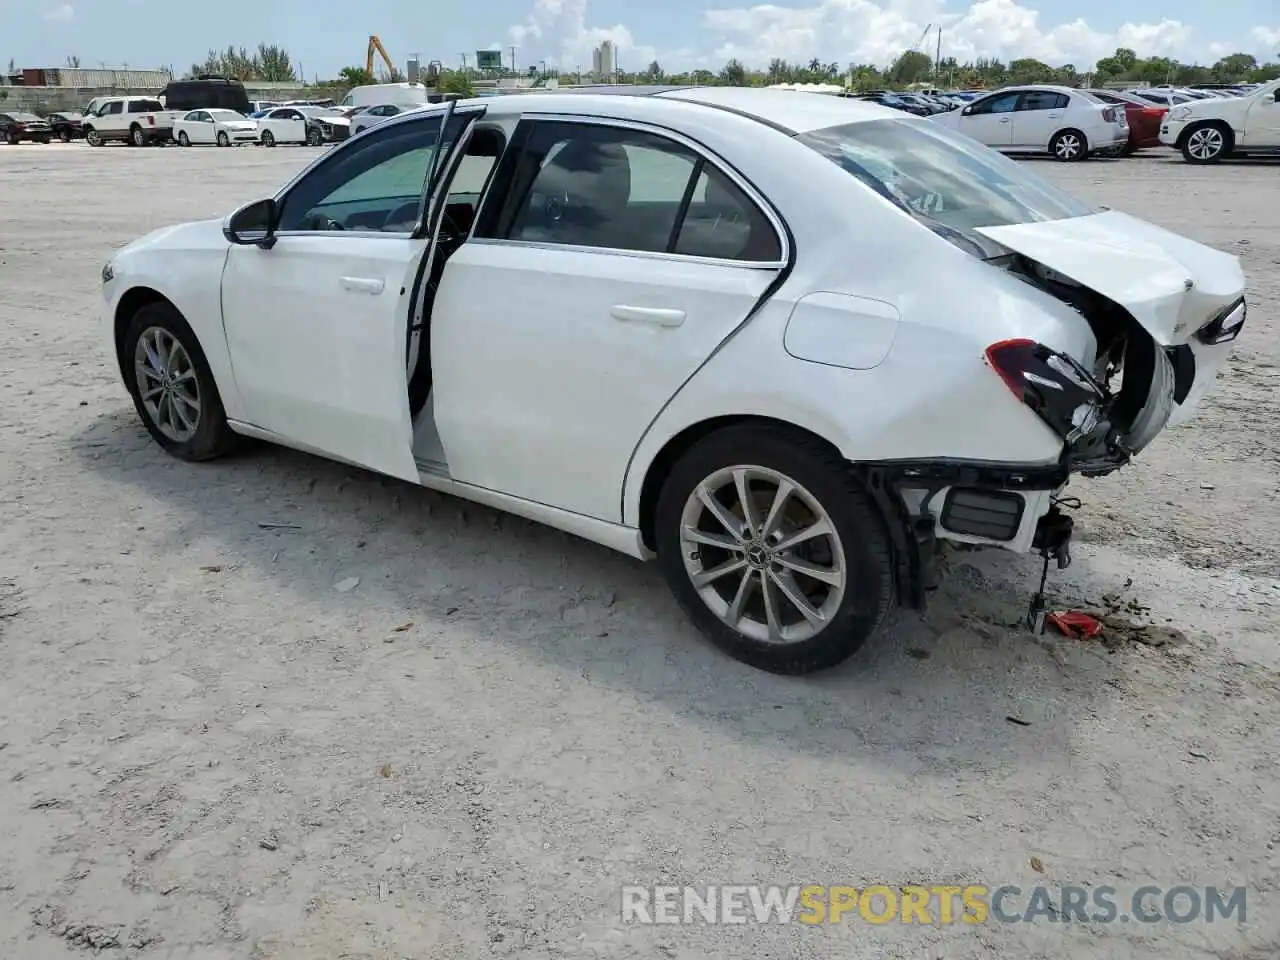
[114,107]
[379,183]
[623,189]
[929,169]
[1005,103]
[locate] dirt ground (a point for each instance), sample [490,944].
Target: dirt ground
[207,751]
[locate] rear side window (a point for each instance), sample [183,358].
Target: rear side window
[1043,100]
[145,106]
[591,185]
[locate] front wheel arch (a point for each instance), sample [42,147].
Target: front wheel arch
[1228,137]
[132,301]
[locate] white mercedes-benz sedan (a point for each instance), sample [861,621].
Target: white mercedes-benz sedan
[785,344]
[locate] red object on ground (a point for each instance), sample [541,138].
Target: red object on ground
[1073,623]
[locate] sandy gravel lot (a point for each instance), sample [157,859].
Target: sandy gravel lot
[207,752]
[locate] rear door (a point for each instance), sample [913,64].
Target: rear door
[611,264]
[316,324]
[1038,118]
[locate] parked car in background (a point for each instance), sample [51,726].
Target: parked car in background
[206,93]
[281,125]
[138,121]
[1208,131]
[372,116]
[1144,118]
[226,128]
[66,126]
[1066,123]
[350,112]
[325,124]
[728,362]
[370,94]
[1163,98]
[16,127]
[894,102]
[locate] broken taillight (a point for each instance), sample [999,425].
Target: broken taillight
[1060,391]
[1109,114]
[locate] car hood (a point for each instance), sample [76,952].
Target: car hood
[334,121]
[239,124]
[1172,285]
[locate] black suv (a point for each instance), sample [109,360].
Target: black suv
[207,93]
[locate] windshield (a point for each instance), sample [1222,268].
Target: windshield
[226,115]
[947,177]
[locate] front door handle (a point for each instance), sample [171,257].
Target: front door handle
[372,285]
[1004,119]
[656,315]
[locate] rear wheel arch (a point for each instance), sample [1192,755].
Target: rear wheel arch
[664,461]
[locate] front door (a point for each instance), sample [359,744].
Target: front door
[990,120]
[583,303]
[1262,122]
[199,127]
[316,324]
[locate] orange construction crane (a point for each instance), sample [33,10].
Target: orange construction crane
[375,46]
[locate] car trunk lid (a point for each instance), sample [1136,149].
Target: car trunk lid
[1171,285]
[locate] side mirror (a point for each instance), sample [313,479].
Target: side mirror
[253,225]
[966,111]
[1277,96]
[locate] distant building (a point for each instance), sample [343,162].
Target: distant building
[604,64]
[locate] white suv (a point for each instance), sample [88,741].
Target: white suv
[1065,123]
[1207,131]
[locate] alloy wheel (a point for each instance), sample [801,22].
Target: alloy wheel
[1068,147]
[1205,143]
[763,554]
[167,384]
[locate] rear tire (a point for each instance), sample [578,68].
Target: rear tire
[209,436]
[137,136]
[1069,146]
[779,604]
[183,139]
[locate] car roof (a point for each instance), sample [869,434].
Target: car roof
[789,111]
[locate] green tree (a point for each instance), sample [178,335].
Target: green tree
[911,67]
[275,64]
[455,81]
[733,74]
[356,77]
[1030,70]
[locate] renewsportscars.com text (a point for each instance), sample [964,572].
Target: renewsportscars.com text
[815,904]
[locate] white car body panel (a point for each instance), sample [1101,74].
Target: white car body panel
[562,373]
[1169,283]
[336,312]
[592,308]
[1254,119]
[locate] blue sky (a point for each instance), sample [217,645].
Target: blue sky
[326,35]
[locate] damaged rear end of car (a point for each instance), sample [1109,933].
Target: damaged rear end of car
[1150,318]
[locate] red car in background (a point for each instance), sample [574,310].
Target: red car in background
[1144,118]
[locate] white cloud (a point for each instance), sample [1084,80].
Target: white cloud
[870,31]
[63,13]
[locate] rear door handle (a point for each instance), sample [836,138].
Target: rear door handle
[372,285]
[659,316]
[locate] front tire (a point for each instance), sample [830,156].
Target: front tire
[223,139]
[774,549]
[268,138]
[94,137]
[314,137]
[172,386]
[1069,146]
[13,139]
[64,135]
[1208,143]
